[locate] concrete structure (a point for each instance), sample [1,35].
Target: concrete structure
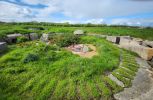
[135,46]
[45,37]
[111,38]
[142,48]
[97,35]
[33,36]
[3,46]
[144,52]
[116,39]
[148,43]
[12,38]
[79,32]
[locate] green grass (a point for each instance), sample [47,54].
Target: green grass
[127,70]
[112,85]
[57,74]
[146,33]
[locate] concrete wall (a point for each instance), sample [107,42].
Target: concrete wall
[11,38]
[3,46]
[148,43]
[34,36]
[114,38]
[132,45]
[111,38]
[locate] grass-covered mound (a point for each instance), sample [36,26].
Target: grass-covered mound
[35,70]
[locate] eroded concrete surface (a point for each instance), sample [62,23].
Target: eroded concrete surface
[142,85]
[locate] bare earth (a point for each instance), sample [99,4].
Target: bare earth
[89,54]
[142,85]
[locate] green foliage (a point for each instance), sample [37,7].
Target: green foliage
[22,39]
[51,72]
[67,39]
[30,58]
[8,28]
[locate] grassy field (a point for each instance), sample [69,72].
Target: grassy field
[144,33]
[55,73]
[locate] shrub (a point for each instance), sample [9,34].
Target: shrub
[52,56]
[22,39]
[67,39]
[30,57]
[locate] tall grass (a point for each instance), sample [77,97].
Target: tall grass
[59,74]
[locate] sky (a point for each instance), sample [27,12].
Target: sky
[112,12]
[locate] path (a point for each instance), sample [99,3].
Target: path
[142,85]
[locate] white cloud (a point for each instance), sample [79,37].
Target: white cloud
[96,8]
[136,22]
[95,21]
[14,11]
[95,11]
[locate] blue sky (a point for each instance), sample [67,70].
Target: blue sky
[122,12]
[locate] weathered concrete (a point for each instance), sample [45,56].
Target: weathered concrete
[33,36]
[142,85]
[3,46]
[78,32]
[98,35]
[111,38]
[114,38]
[144,52]
[148,43]
[45,37]
[12,38]
[116,80]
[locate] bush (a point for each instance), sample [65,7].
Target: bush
[22,39]
[67,39]
[52,56]
[30,58]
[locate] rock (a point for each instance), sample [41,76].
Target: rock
[12,38]
[85,48]
[148,43]
[3,46]
[45,37]
[33,36]
[78,32]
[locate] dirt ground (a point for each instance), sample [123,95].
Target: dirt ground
[89,54]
